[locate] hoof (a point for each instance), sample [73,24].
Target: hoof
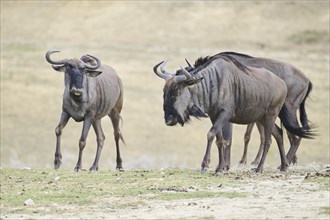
[241,165]
[283,168]
[77,169]
[257,170]
[57,165]
[204,169]
[93,169]
[218,173]
[120,169]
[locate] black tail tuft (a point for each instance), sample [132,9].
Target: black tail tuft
[291,127]
[302,111]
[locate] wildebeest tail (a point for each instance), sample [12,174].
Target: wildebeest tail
[302,110]
[120,135]
[291,127]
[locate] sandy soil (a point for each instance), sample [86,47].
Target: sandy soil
[271,195]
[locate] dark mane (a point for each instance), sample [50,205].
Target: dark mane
[234,53]
[201,60]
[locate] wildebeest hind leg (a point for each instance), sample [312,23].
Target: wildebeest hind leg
[278,135]
[268,124]
[58,131]
[115,118]
[100,141]
[294,142]
[247,137]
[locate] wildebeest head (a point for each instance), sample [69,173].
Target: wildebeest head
[76,72]
[178,105]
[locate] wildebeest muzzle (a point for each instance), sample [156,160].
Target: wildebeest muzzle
[76,92]
[171,120]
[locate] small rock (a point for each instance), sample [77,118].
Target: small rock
[56,179]
[162,174]
[28,202]
[192,203]
[26,168]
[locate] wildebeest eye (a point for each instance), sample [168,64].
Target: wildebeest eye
[68,66]
[172,98]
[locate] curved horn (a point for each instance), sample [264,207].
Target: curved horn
[162,68]
[98,63]
[163,74]
[186,73]
[188,62]
[59,62]
[182,78]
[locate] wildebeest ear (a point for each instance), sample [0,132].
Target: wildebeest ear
[193,81]
[92,73]
[58,68]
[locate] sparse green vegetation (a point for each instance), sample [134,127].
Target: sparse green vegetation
[310,37]
[323,182]
[54,191]
[325,210]
[66,187]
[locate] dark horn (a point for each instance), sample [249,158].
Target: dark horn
[188,63]
[59,62]
[98,63]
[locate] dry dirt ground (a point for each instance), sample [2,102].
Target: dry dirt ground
[300,193]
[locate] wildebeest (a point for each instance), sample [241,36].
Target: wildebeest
[228,92]
[91,92]
[299,87]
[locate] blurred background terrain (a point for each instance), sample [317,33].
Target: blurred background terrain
[132,37]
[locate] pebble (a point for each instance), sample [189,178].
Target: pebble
[56,179]
[28,202]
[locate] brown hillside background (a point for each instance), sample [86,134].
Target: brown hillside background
[132,37]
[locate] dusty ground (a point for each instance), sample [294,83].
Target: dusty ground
[300,193]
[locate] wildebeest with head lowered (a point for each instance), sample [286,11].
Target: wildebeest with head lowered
[91,92]
[299,87]
[228,92]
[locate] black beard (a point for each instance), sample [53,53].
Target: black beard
[193,111]
[197,112]
[184,119]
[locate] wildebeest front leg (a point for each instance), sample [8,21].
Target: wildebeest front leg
[256,160]
[210,136]
[227,132]
[82,141]
[218,124]
[268,123]
[58,131]
[206,160]
[100,141]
